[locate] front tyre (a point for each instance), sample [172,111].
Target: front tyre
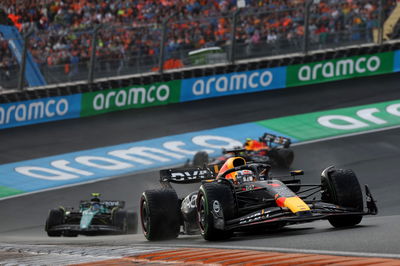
[200,159]
[119,220]
[55,217]
[160,214]
[209,196]
[341,187]
[132,223]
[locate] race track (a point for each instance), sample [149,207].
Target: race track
[373,156]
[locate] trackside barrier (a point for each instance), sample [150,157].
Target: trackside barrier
[39,111]
[396,63]
[233,83]
[22,113]
[130,79]
[106,101]
[338,69]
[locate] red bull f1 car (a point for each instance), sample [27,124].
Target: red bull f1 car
[94,217]
[270,149]
[241,197]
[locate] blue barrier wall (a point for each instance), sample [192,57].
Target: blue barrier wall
[233,83]
[396,64]
[41,110]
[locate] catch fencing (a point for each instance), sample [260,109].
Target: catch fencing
[110,51]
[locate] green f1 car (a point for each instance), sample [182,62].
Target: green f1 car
[94,217]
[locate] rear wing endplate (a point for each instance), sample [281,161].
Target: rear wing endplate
[279,140]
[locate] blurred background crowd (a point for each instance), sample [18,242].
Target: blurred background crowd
[62,29]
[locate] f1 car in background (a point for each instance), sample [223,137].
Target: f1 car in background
[245,197]
[270,149]
[94,217]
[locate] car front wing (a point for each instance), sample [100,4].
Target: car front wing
[276,215]
[91,230]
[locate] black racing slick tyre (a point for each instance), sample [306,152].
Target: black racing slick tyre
[284,157]
[341,187]
[55,217]
[160,214]
[200,159]
[119,220]
[132,222]
[213,197]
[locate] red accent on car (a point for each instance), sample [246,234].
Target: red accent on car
[280,201]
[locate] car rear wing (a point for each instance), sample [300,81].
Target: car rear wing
[277,140]
[185,175]
[106,203]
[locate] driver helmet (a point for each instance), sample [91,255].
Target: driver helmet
[253,145]
[95,206]
[244,176]
[229,164]
[95,202]
[248,144]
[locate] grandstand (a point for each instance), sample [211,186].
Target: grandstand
[128,33]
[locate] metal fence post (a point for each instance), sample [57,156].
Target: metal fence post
[21,77]
[306,40]
[93,54]
[380,22]
[233,37]
[163,42]
[162,47]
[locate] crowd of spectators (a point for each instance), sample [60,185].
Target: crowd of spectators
[63,29]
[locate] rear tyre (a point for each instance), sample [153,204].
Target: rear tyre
[132,222]
[55,217]
[284,157]
[342,188]
[160,214]
[200,159]
[120,220]
[210,193]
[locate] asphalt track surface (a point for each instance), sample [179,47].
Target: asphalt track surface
[373,156]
